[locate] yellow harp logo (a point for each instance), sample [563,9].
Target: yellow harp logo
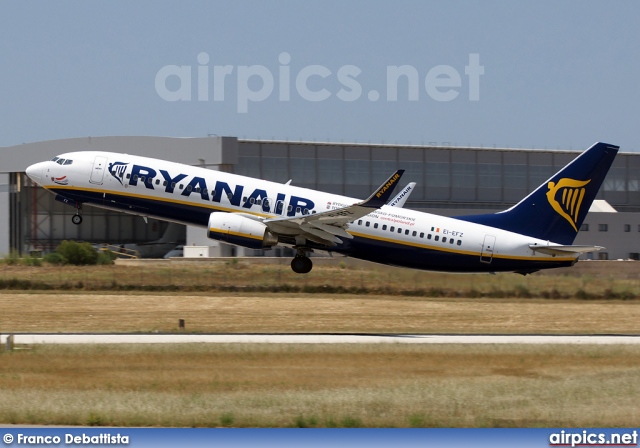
[568,202]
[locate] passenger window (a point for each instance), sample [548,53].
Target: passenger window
[259,201]
[135,177]
[128,176]
[289,208]
[392,229]
[375,225]
[189,187]
[437,238]
[252,200]
[429,236]
[459,242]
[367,224]
[399,230]
[421,234]
[142,179]
[360,222]
[451,241]
[444,240]
[406,232]
[164,184]
[157,181]
[181,186]
[414,233]
[197,189]
[173,185]
[298,210]
[384,227]
[305,211]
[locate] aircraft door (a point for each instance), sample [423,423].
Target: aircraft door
[97,172]
[488,247]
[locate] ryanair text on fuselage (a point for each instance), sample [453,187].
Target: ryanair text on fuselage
[198,185]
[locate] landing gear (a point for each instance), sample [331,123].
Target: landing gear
[77,218]
[301,265]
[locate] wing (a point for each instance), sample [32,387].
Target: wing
[328,227]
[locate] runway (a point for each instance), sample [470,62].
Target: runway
[225,338]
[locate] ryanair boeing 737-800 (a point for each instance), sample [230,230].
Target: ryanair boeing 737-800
[537,233]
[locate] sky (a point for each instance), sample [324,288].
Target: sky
[543,74]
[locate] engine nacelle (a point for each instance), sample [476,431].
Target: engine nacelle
[239,230]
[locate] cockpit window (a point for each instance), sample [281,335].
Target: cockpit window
[68,162]
[54,159]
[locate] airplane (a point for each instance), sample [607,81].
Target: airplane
[536,233]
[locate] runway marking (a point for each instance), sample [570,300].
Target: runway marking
[93,338]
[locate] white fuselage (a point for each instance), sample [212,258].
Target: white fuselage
[188,195]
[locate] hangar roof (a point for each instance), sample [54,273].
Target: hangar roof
[192,151]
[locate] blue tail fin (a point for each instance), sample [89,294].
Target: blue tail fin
[556,209]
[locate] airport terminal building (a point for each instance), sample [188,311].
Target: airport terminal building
[450,181]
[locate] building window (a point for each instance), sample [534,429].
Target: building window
[634,256]
[603,255]
[603,227]
[584,228]
[627,227]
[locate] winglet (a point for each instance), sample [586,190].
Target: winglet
[382,195]
[402,197]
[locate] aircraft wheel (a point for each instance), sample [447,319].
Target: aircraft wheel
[76,219]
[301,265]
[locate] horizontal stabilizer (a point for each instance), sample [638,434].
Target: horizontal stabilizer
[564,250]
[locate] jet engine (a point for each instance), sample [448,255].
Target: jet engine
[240,230]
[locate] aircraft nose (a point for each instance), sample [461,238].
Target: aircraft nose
[35,171]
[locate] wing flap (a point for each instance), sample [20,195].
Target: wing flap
[320,234]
